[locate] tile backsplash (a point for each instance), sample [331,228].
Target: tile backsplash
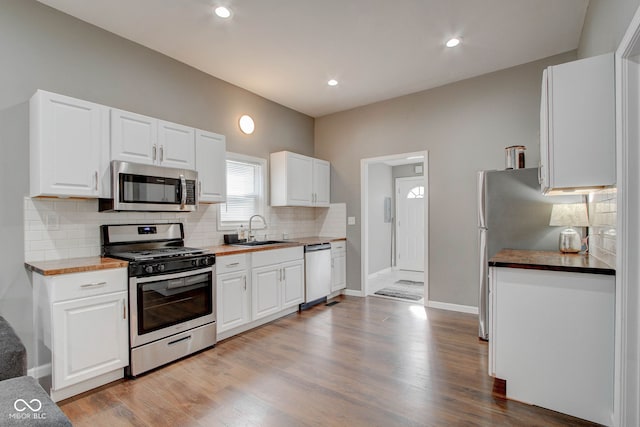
[68,228]
[602,230]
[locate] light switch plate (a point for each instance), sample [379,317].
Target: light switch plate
[351,220]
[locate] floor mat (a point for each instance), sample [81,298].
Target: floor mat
[397,293]
[409,282]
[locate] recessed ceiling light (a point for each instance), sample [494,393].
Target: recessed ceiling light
[453,42]
[332,82]
[222,12]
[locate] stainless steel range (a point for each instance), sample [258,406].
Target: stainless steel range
[171,292]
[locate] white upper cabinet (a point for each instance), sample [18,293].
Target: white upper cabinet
[577,126]
[211,165]
[298,180]
[141,139]
[66,139]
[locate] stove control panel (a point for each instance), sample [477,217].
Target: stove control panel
[170,265]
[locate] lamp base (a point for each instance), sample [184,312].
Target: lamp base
[570,241]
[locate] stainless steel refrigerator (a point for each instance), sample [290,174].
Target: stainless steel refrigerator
[512,214]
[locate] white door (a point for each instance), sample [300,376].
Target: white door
[292,283]
[410,197]
[321,182]
[211,164]
[90,338]
[133,137]
[66,141]
[299,180]
[265,285]
[231,300]
[176,145]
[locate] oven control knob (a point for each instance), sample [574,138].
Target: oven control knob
[194,262]
[204,261]
[149,269]
[160,267]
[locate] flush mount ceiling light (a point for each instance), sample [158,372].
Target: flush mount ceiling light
[453,42]
[222,12]
[332,82]
[246,124]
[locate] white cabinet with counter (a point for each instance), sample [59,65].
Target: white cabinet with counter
[141,139]
[82,320]
[338,265]
[67,137]
[233,291]
[298,180]
[211,164]
[277,279]
[577,125]
[552,339]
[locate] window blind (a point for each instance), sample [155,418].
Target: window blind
[244,191]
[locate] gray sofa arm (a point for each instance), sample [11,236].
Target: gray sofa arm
[13,355]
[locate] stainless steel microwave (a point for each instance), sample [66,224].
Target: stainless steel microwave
[149,188]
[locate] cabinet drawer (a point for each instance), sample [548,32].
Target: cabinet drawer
[275,256]
[230,263]
[86,284]
[337,247]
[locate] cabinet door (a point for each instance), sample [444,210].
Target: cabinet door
[211,164]
[299,180]
[338,272]
[265,285]
[232,298]
[133,137]
[66,137]
[292,283]
[321,183]
[90,337]
[176,145]
[543,172]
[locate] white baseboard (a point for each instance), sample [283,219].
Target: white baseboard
[353,293]
[39,371]
[453,307]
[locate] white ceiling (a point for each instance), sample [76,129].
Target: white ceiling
[286,50]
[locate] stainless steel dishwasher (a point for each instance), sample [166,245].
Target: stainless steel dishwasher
[317,273]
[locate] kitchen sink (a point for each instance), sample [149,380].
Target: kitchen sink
[259,243]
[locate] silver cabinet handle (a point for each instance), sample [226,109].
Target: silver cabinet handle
[162,153]
[124,309]
[245,282]
[233,264]
[284,275]
[93,285]
[183,187]
[154,150]
[96,175]
[280,275]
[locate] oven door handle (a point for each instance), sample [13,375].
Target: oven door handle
[183,187]
[172,276]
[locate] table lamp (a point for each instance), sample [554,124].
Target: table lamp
[569,215]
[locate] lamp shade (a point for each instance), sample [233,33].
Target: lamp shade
[569,214]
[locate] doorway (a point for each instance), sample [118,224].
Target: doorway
[381,238]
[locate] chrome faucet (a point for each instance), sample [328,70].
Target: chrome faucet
[251,236]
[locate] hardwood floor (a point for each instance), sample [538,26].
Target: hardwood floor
[362,362]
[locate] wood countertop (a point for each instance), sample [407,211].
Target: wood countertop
[550,260]
[77,265]
[74,265]
[222,250]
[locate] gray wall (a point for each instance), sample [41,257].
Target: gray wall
[605,25]
[43,48]
[465,127]
[380,187]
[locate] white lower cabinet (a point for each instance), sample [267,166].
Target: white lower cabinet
[338,266]
[277,278]
[82,319]
[552,339]
[257,287]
